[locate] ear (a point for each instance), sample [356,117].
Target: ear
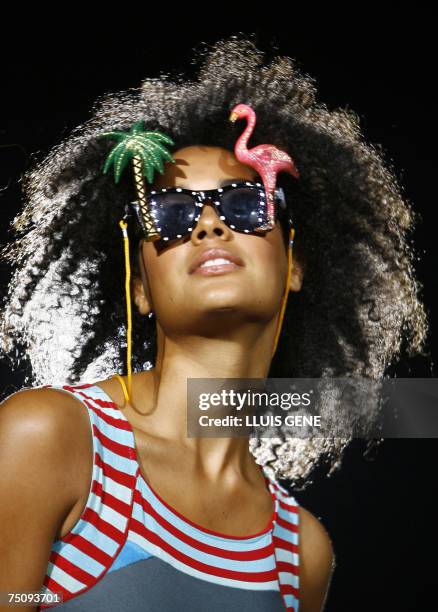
[139,296]
[297,275]
[140,287]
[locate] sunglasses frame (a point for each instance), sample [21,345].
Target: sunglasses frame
[213,196]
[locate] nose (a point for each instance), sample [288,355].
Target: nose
[209,223]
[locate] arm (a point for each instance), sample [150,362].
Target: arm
[37,489]
[317,562]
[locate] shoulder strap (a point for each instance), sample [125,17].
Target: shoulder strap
[286,541]
[81,558]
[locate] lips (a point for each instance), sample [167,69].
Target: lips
[214,254]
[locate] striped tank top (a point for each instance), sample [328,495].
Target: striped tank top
[130,550]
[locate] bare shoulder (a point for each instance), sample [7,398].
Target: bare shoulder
[52,425]
[42,409]
[44,467]
[317,562]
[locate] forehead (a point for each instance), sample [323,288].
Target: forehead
[202,167]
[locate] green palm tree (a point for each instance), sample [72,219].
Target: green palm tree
[147,153]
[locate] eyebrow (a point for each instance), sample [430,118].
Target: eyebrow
[237,180]
[228,181]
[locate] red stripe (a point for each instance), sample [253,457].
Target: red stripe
[108,529]
[288,589]
[75,387]
[71,569]
[117,475]
[289,507]
[91,516]
[113,502]
[54,586]
[113,421]
[287,525]
[112,445]
[89,549]
[284,544]
[278,488]
[290,568]
[204,529]
[100,402]
[241,555]
[121,423]
[153,538]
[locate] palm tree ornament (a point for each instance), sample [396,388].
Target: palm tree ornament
[147,151]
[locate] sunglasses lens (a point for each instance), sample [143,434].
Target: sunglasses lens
[174,213]
[244,208]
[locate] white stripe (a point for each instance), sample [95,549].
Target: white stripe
[123,464]
[118,490]
[122,436]
[111,486]
[291,602]
[89,532]
[287,556]
[274,483]
[95,393]
[246,544]
[161,554]
[288,515]
[288,501]
[90,397]
[79,558]
[257,565]
[288,578]
[285,534]
[282,490]
[64,579]
[117,520]
[115,413]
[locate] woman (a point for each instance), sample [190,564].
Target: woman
[168,520]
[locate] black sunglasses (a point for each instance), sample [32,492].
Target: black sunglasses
[242,206]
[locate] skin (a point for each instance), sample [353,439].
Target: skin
[207,327]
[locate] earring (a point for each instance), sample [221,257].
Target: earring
[151,314]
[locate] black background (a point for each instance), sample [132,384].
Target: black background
[380,511]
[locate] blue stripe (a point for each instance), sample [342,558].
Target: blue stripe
[257,565]
[221,542]
[130,553]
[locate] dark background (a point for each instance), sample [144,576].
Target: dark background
[379,510]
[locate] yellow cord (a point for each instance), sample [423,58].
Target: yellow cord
[122,382]
[128,394]
[286,292]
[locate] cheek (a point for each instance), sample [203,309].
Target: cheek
[274,273]
[269,255]
[267,274]
[163,277]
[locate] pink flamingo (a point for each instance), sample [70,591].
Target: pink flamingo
[266,159]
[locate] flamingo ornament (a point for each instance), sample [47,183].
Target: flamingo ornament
[266,159]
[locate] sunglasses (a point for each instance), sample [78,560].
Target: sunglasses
[241,205]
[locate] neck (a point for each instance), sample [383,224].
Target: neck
[164,389]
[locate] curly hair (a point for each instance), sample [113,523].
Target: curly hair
[359,308]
